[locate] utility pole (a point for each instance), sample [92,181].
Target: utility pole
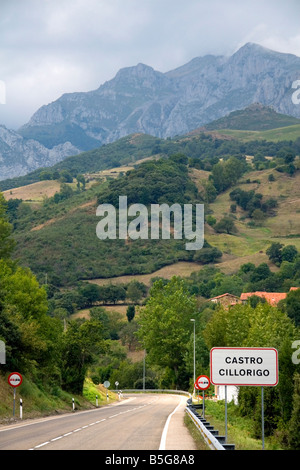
[194,321]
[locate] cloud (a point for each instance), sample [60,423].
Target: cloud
[51,47]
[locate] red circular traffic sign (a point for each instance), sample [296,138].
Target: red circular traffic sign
[15,379]
[202,382]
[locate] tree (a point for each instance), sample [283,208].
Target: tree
[128,335]
[271,177]
[260,273]
[165,326]
[289,253]
[292,304]
[231,284]
[91,293]
[274,253]
[258,216]
[7,243]
[207,255]
[226,173]
[81,180]
[46,175]
[111,293]
[134,291]
[262,326]
[225,225]
[66,177]
[82,342]
[130,312]
[209,191]
[31,336]
[294,425]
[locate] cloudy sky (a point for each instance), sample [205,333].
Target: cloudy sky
[49,47]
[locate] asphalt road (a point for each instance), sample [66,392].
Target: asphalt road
[140,422]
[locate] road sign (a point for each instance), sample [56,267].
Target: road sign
[15,379]
[106,384]
[244,366]
[202,382]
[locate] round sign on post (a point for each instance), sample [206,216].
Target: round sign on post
[15,379]
[202,382]
[106,385]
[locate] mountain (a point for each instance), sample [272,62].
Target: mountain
[19,156]
[253,129]
[141,99]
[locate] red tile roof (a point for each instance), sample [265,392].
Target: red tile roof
[224,295]
[271,297]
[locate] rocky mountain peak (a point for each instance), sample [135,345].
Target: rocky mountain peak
[140,99]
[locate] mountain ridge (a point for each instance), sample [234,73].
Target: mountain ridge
[140,99]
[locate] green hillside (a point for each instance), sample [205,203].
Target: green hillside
[56,232]
[253,130]
[287,134]
[254,118]
[58,237]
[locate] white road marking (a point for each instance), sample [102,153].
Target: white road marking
[87,426]
[165,431]
[41,445]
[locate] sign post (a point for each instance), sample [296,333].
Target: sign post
[106,385]
[202,383]
[244,367]
[15,379]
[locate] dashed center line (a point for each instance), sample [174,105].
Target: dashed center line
[87,426]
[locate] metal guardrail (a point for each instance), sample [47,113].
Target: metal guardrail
[210,435]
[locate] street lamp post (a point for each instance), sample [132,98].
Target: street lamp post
[194,321]
[144,370]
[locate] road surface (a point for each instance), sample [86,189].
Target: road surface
[140,422]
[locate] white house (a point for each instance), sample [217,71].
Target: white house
[232,393]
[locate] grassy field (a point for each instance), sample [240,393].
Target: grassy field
[239,428]
[34,192]
[274,135]
[284,227]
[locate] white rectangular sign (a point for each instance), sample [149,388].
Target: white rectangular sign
[244,366]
